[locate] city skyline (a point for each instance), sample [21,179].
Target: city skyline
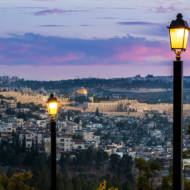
[52,40]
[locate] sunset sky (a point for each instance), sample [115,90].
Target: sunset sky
[63,39]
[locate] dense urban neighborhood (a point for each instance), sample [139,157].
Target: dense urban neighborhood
[92,121]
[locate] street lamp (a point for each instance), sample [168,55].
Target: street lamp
[179,32]
[52,107]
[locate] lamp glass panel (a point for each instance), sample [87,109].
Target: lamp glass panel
[186,38]
[52,108]
[177,38]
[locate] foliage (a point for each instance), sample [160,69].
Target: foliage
[97,112]
[84,158]
[188,131]
[18,181]
[147,171]
[22,158]
[166,183]
[82,170]
[78,137]
[103,186]
[33,107]
[187,185]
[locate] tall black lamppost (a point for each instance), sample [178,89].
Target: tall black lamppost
[52,107]
[179,32]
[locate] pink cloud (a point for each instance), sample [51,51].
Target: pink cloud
[140,53]
[50,11]
[39,59]
[46,60]
[186,55]
[171,8]
[4,59]
[162,9]
[22,49]
[2,46]
[61,59]
[41,50]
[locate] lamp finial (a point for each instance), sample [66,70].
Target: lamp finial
[179,16]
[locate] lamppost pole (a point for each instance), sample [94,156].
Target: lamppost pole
[53,154]
[177,124]
[52,107]
[179,33]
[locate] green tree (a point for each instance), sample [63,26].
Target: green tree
[97,112]
[141,165]
[18,181]
[167,181]
[187,185]
[154,168]
[147,170]
[114,162]
[143,183]
[1,187]
[188,131]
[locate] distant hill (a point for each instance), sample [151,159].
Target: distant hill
[149,81]
[149,89]
[133,82]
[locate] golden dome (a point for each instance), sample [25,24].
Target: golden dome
[82,91]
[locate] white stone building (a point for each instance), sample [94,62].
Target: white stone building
[65,143]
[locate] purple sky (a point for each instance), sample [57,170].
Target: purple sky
[56,39]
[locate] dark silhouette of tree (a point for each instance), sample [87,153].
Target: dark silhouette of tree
[148,171]
[97,112]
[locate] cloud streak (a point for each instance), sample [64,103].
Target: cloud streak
[138,23]
[147,28]
[162,9]
[46,0]
[52,26]
[55,11]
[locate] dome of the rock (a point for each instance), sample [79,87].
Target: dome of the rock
[82,91]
